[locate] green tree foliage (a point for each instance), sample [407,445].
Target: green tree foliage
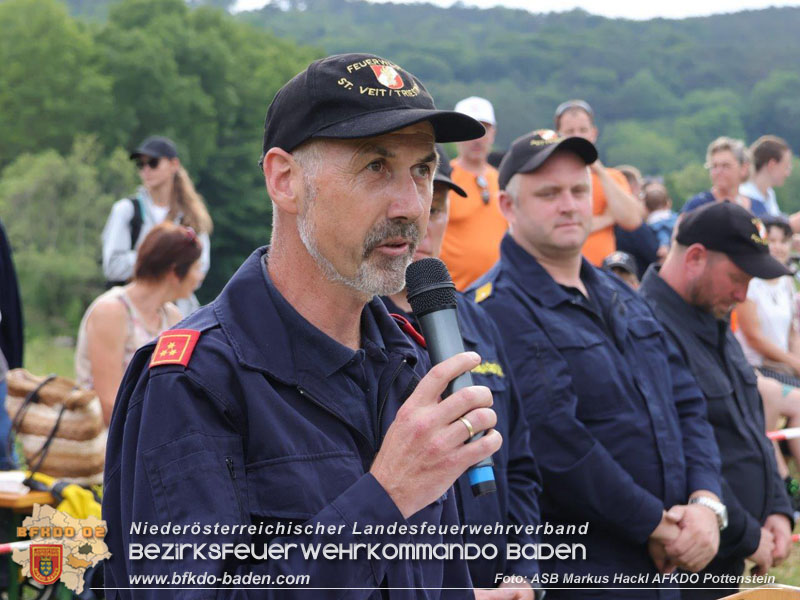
[205,80]
[152,67]
[630,142]
[50,86]
[698,129]
[644,97]
[124,69]
[687,182]
[773,106]
[688,80]
[54,208]
[789,194]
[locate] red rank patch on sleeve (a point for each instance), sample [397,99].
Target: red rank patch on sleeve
[175,347]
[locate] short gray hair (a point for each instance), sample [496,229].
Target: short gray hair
[734,146]
[309,156]
[512,187]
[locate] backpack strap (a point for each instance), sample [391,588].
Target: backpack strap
[136,220]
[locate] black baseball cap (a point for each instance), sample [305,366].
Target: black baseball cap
[530,151]
[156,146]
[620,260]
[728,228]
[444,172]
[349,96]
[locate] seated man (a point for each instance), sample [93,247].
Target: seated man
[293,412]
[617,423]
[518,482]
[718,249]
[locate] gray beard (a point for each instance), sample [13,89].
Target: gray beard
[376,275]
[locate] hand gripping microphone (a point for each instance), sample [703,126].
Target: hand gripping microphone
[432,296]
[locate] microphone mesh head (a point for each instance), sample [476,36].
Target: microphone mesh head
[429,286]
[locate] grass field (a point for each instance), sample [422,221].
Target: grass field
[44,356]
[789,572]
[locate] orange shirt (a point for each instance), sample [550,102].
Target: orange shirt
[474,230]
[602,242]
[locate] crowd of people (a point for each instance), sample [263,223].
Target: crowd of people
[611,384]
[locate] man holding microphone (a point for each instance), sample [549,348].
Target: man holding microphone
[294,399]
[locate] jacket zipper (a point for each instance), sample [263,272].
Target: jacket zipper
[382,403]
[232,474]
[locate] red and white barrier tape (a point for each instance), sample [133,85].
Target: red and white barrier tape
[790,433]
[11,546]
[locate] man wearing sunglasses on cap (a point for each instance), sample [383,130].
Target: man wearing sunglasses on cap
[472,239]
[612,201]
[294,403]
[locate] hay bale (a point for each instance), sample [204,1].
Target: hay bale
[77,450]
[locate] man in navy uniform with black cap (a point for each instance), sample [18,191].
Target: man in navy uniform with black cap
[617,423]
[294,405]
[518,480]
[717,250]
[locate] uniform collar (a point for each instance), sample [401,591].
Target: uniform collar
[269,335]
[535,281]
[702,323]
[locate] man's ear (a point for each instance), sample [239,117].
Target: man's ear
[506,202]
[695,259]
[284,179]
[744,172]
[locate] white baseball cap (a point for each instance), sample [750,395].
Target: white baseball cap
[478,108]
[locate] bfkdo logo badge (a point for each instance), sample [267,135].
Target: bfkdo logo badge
[46,562]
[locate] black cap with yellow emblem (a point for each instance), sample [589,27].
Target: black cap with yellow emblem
[728,228]
[356,95]
[530,151]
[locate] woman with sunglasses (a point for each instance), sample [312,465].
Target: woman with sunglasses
[168,267]
[166,194]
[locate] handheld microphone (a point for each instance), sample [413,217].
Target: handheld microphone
[432,296]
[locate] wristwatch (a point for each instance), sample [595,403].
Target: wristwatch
[718,508]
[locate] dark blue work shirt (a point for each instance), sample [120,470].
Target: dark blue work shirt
[271,424]
[618,425]
[757,207]
[752,488]
[516,501]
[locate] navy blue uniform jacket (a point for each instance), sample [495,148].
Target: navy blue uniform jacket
[618,425]
[271,422]
[516,501]
[752,488]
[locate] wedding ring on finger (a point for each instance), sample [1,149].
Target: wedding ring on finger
[468,425]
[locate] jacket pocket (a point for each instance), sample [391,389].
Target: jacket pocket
[650,356]
[718,393]
[195,487]
[298,487]
[593,369]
